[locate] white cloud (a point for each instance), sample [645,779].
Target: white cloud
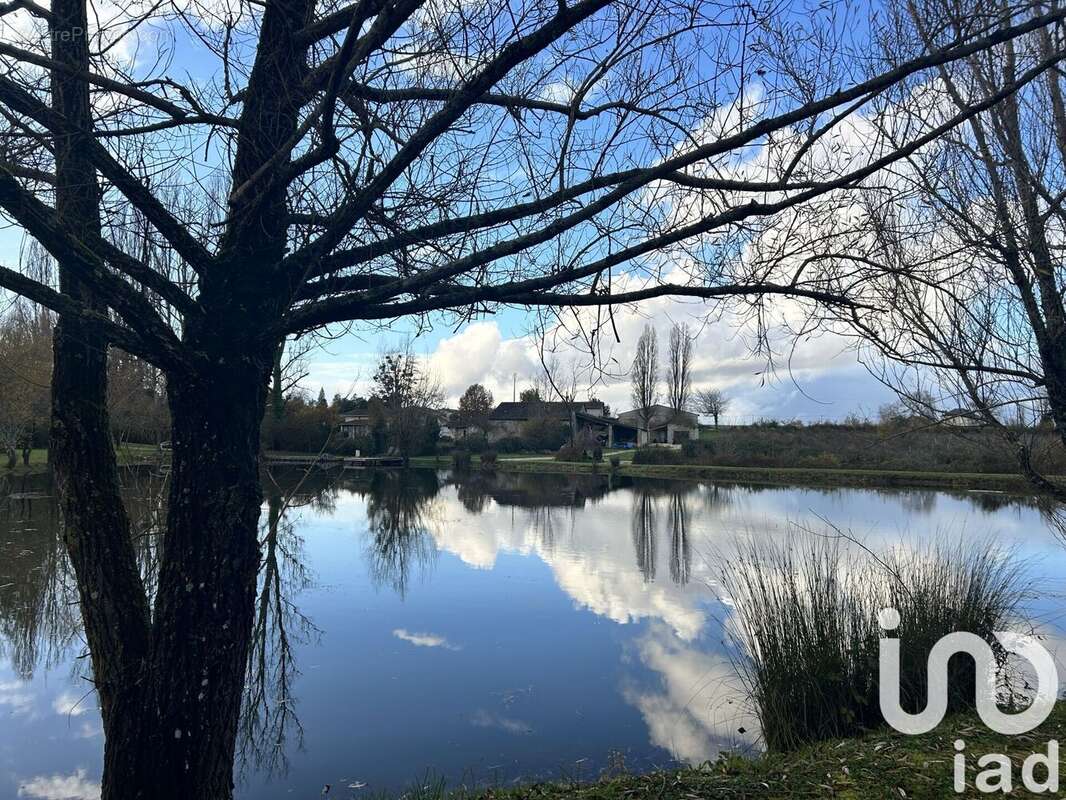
[818,377]
[700,706]
[488,719]
[69,704]
[479,354]
[16,696]
[424,639]
[60,787]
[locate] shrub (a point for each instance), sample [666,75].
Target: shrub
[544,433]
[658,455]
[511,444]
[475,443]
[461,459]
[488,459]
[690,448]
[570,453]
[616,462]
[806,623]
[597,454]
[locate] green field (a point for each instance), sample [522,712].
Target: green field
[128,454]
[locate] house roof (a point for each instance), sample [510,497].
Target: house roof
[517,412]
[660,417]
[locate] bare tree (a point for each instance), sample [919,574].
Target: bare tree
[379,161]
[958,253]
[410,394]
[679,367]
[712,402]
[644,375]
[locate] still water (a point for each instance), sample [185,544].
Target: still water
[487,628]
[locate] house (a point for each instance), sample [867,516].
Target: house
[354,425]
[507,419]
[962,418]
[452,424]
[664,426]
[606,431]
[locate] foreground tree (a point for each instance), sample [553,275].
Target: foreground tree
[379,160]
[958,251]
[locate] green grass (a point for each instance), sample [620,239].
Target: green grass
[879,766]
[128,454]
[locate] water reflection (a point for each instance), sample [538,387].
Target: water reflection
[489,624]
[38,623]
[270,726]
[399,547]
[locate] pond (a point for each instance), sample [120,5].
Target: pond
[489,628]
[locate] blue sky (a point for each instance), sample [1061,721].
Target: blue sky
[825,380]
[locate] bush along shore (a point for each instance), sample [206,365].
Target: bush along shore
[903,453]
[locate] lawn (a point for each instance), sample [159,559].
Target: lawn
[127,454]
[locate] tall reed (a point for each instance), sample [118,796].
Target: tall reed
[806,624]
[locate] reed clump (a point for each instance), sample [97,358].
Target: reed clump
[806,624]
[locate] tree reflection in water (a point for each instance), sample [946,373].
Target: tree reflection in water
[39,620]
[268,710]
[398,504]
[405,523]
[644,539]
[680,546]
[648,498]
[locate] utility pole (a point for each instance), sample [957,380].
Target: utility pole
[514,387]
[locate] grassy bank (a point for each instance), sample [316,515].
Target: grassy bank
[129,455]
[876,767]
[902,447]
[774,476]
[133,455]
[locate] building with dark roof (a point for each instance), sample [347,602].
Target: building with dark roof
[663,426]
[507,419]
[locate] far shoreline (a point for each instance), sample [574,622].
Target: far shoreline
[770,476]
[814,477]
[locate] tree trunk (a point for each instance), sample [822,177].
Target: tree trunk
[181,745]
[95,526]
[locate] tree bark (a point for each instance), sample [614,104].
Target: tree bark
[95,526]
[183,744]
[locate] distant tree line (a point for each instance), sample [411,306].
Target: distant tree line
[402,410]
[136,401]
